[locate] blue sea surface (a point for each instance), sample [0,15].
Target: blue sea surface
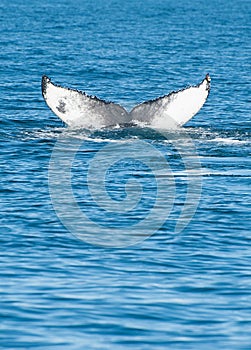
[168,289]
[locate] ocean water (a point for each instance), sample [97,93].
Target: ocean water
[101,274]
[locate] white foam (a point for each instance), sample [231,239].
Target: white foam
[229,141]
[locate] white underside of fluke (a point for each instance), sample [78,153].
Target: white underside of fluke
[79,110]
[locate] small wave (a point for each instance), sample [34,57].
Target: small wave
[229,141]
[228,137]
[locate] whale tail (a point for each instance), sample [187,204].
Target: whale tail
[77,109]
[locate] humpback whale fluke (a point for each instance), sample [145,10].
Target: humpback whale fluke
[77,109]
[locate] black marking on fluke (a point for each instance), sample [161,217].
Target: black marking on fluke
[61,107]
[45,80]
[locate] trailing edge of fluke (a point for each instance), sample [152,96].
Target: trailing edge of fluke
[79,110]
